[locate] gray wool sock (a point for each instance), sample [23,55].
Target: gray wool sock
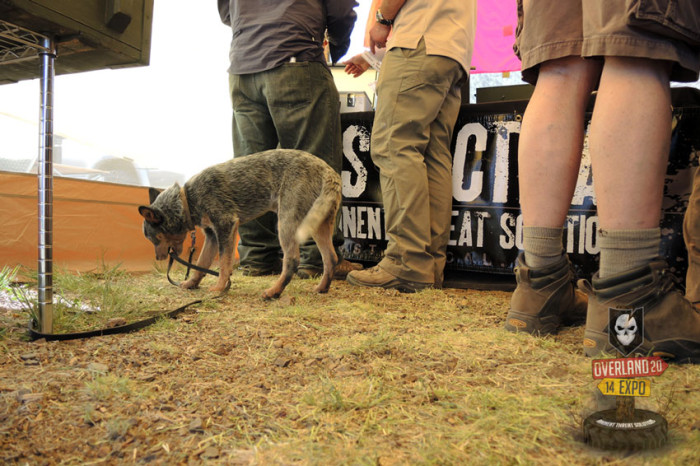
[543,245]
[623,250]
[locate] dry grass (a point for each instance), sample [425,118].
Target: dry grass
[352,377]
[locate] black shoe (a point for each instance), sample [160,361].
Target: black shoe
[340,271]
[261,270]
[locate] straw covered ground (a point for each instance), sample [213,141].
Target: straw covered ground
[351,377]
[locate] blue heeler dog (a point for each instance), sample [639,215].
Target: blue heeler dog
[303,190]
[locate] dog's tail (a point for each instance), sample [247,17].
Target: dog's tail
[326,205]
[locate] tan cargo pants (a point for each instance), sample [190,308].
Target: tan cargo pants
[418,99]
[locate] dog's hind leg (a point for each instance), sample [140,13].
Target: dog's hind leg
[323,237]
[290,258]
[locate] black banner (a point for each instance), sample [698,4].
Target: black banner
[486,220]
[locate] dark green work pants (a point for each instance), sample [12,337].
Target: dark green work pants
[294,106]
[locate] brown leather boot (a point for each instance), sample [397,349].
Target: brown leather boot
[545,299]
[671,323]
[376,277]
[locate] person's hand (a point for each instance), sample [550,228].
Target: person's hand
[378,36]
[356,65]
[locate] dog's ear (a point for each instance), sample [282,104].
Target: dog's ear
[151,216]
[153,194]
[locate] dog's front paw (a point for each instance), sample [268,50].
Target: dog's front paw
[221,287]
[189,284]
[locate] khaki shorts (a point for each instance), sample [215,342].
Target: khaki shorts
[551,29]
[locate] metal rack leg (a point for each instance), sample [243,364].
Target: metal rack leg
[45,266]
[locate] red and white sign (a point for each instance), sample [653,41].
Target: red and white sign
[628,367]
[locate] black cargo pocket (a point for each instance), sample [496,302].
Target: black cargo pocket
[674,19]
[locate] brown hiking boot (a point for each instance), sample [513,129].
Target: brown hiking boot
[545,299]
[671,324]
[376,277]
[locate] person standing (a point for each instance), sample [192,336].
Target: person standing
[429,48]
[283,95]
[568,49]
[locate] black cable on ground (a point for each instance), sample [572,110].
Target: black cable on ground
[35,335]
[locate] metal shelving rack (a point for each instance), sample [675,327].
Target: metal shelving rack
[18,43]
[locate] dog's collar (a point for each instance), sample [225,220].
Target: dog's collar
[186,210]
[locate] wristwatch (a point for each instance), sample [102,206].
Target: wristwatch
[382,20]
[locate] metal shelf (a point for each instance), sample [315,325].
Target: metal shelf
[18,43]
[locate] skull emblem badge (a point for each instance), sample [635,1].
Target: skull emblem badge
[626,329]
